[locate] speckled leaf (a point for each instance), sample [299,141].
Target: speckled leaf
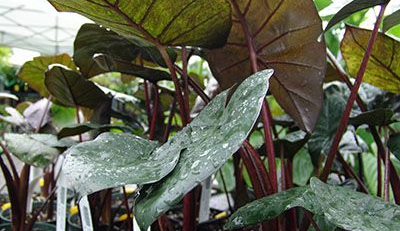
[110,64]
[93,39]
[345,208]
[71,89]
[353,7]
[33,71]
[209,140]
[52,140]
[201,23]
[285,40]
[394,144]
[377,117]
[116,159]
[77,129]
[328,122]
[383,69]
[391,20]
[30,150]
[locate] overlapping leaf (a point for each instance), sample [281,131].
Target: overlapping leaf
[340,206]
[284,40]
[72,89]
[193,23]
[33,71]
[377,117]
[383,70]
[212,137]
[391,20]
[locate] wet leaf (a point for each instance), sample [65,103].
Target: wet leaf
[391,20]
[201,23]
[285,40]
[71,89]
[30,150]
[328,122]
[33,71]
[77,129]
[109,64]
[378,117]
[383,70]
[345,208]
[353,7]
[208,141]
[394,144]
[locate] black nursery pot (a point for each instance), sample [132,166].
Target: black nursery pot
[36,227]
[5,215]
[74,223]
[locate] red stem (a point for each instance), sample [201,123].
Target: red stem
[387,170]
[147,100]
[185,78]
[354,92]
[11,162]
[170,117]
[156,103]
[352,174]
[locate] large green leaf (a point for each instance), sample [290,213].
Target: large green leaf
[33,71]
[383,70]
[71,89]
[345,208]
[30,150]
[391,20]
[285,40]
[208,141]
[201,23]
[353,7]
[93,39]
[394,144]
[329,120]
[109,64]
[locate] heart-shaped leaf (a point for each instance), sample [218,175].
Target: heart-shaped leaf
[109,64]
[201,23]
[284,40]
[353,7]
[71,89]
[33,71]
[391,20]
[30,150]
[77,129]
[93,39]
[383,70]
[209,140]
[377,117]
[345,208]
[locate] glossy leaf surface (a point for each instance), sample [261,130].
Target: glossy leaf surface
[33,71]
[30,150]
[345,208]
[71,89]
[383,70]
[284,40]
[207,142]
[201,23]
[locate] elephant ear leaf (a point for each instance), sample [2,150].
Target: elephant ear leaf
[206,143]
[71,89]
[202,23]
[383,68]
[283,39]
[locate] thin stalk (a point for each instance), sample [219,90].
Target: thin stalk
[78,121]
[289,183]
[11,162]
[265,112]
[199,91]
[128,211]
[387,169]
[23,192]
[147,100]
[156,103]
[226,191]
[185,78]
[379,176]
[353,95]
[169,123]
[352,174]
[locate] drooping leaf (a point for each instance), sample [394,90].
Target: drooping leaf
[30,150]
[285,40]
[328,122]
[353,7]
[394,144]
[109,64]
[33,71]
[391,20]
[383,70]
[209,140]
[77,129]
[93,39]
[71,89]
[345,208]
[378,117]
[201,23]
